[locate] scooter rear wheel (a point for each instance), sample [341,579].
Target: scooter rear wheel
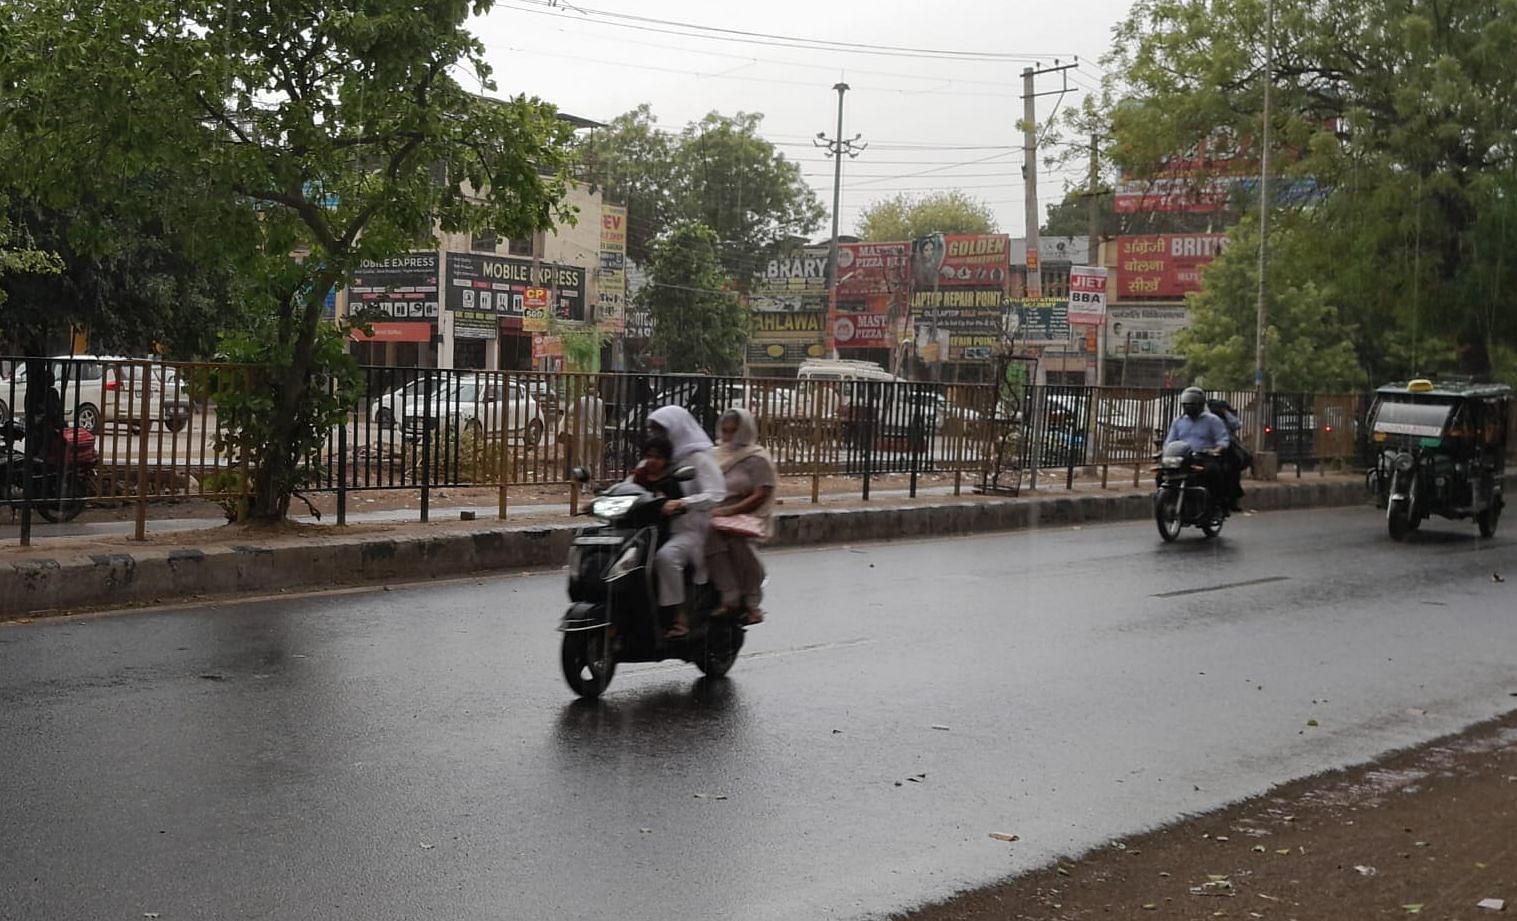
[723,640]
[588,662]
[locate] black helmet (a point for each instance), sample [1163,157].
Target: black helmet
[1193,401]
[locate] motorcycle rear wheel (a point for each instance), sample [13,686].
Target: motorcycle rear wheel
[64,508]
[588,662]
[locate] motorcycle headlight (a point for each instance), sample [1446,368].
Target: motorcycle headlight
[1404,462]
[1172,462]
[625,564]
[608,508]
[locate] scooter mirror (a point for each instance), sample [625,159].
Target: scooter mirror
[684,474]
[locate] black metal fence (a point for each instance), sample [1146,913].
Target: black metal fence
[156,434]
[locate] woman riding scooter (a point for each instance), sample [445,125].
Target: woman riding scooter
[686,547]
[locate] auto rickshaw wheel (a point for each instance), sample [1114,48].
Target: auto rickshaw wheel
[1487,519]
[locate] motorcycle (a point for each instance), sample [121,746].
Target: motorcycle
[613,616]
[1182,498]
[61,479]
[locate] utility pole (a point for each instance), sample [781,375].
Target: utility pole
[1269,78]
[836,147]
[1093,232]
[1030,179]
[1030,163]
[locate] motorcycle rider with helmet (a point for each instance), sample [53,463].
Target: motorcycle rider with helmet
[1207,436]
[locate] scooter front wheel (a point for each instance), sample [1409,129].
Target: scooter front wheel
[588,662]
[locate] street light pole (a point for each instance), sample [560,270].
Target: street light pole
[836,147]
[1261,309]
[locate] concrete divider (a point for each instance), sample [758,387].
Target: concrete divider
[154,575]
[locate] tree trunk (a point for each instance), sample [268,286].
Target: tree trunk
[273,481]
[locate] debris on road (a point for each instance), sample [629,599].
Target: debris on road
[425,846]
[1002,836]
[939,727]
[1492,904]
[717,796]
[1364,870]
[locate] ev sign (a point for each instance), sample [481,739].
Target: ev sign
[1087,295]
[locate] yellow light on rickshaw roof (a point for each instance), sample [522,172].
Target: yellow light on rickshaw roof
[1420,385]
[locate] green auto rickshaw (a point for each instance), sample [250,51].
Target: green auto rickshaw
[1439,448]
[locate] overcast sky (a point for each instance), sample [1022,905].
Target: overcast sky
[952,122]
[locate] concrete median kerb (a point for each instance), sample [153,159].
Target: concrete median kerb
[61,582]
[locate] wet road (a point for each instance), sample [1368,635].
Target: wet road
[413,753]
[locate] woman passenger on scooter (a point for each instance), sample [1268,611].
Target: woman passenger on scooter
[742,518]
[686,547]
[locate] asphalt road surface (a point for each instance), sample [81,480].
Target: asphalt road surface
[414,753]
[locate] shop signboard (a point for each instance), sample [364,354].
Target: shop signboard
[402,287]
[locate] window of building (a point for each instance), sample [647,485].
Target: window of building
[520,247]
[483,244]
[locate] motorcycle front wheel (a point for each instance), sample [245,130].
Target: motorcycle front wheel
[588,662]
[1167,513]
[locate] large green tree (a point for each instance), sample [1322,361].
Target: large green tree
[313,137]
[699,323]
[906,217]
[717,171]
[124,278]
[1400,113]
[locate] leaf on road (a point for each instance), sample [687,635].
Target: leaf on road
[645,831]
[1312,723]
[1002,836]
[1364,870]
[940,728]
[1150,906]
[150,915]
[1413,909]
[425,846]
[1258,849]
[716,796]
[1283,851]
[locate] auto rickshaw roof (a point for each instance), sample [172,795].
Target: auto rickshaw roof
[1447,389]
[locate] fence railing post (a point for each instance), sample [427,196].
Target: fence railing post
[816,442]
[145,419]
[342,472]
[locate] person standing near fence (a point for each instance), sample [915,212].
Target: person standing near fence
[743,518]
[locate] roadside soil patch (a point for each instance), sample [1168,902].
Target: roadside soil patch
[1427,833]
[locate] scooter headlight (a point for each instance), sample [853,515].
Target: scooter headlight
[609,508]
[1404,462]
[625,565]
[1172,462]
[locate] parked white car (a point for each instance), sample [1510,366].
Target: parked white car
[97,389]
[482,404]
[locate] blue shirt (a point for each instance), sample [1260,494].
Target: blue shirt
[1203,433]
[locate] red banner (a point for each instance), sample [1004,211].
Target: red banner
[395,332]
[961,261]
[1164,265]
[863,331]
[873,268]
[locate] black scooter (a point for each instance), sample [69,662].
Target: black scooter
[614,614]
[1182,497]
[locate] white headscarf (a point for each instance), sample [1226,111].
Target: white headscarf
[683,432]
